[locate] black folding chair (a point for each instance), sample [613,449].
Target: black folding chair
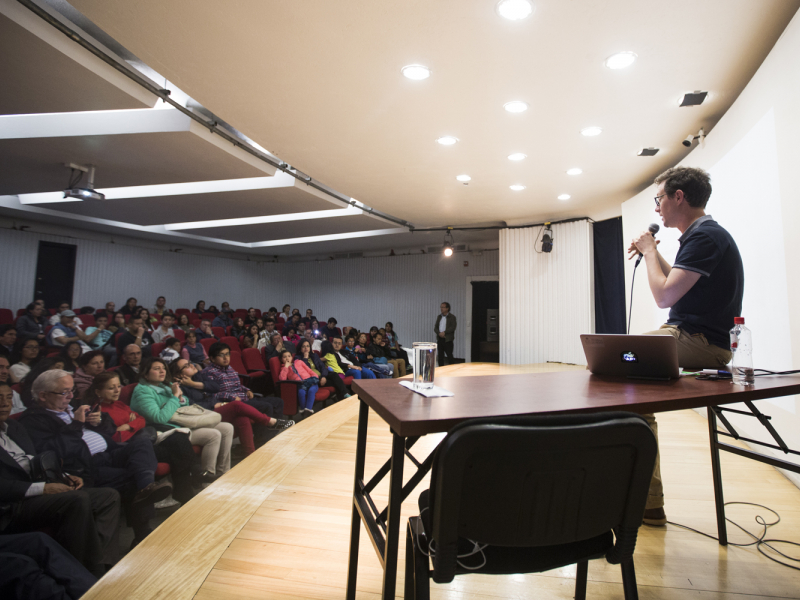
[531,494]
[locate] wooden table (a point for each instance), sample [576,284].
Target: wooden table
[410,416]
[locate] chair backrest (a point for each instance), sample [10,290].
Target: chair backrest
[252,360]
[206,343]
[21,311]
[275,368]
[6,316]
[232,342]
[87,320]
[236,363]
[540,480]
[208,315]
[155,349]
[126,393]
[218,332]
[182,311]
[179,334]
[240,313]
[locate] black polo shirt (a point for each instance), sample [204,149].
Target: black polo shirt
[711,304]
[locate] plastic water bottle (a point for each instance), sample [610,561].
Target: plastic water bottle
[742,348]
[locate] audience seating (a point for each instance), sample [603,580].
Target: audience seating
[206,343]
[218,332]
[287,390]
[6,316]
[179,334]
[21,312]
[240,313]
[182,311]
[155,349]
[207,315]
[238,366]
[127,391]
[232,342]
[87,320]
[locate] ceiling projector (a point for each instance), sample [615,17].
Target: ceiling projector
[82,193]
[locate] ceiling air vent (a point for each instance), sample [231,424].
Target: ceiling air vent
[695,98]
[647,152]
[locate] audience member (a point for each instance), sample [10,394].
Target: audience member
[275,347]
[291,324]
[308,383]
[252,315]
[67,331]
[83,520]
[130,307]
[330,330]
[17,405]
[350,364]
[250,337]
[366,359]
[25,355]
[109,311]
[129,371]
[175,449]
[135,334]
[238,329]
[315,329]
[194,351]
[91,365]
[309,317]
[316,344]
[101,462]
[272,312]
[100,338]
[118,323]
[199,308]
[160,307]
[286,314]
[164,330]
[213,310]
[55,319]
[380,352]
[291,337]
[223,319]
[172,350]
[232,390]
[183,323]
[8,337]
[260,324]
[45,364]
[204,332]
[201,389]
[157,401]
[69,355]
[148,321]
[32,323]
[320,369]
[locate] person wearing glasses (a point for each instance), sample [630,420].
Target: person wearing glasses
[703,288]
[100,461]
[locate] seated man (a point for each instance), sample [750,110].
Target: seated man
[164,331]
[67,330]
[161,306]
[223,319]
[251,316]
[204,331]
[276,346]
[136,334]
[99,339]
[329,330]
[8,337]
[291,324]
[110,310]
[351,368]
[54,320]
[232,390]
[129,372]
[83,520]
[101,462]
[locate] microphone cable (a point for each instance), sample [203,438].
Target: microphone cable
[630,304]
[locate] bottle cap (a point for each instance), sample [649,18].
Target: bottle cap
[738,320]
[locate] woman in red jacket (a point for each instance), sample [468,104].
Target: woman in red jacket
[309,382]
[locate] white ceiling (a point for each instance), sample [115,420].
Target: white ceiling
[319,85]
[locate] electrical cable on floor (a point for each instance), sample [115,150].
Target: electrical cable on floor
[758,540]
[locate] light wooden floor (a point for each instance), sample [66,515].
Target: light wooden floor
[277,526]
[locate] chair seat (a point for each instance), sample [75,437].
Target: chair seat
[162,470]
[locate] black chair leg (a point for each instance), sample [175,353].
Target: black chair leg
[580,580]
[629,580]
[418,575]
[409,583]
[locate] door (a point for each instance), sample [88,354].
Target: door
[485,338]
[55,273]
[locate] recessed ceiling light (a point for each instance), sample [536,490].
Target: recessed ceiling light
[447,140]
[574,171]
[516,106]
[564,197]
[620,60]
[463,177]
[416,72]
[514,10]
[591,131]
[517,188]
[517,156]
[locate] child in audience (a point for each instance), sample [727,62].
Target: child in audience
[291,336]
[172,350]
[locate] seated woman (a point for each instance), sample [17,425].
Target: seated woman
[157,402]
[309,383]
[365,358]
[183,323]
[69,355]
[91,365]
[24,358]
[147,321]
[379,350]
[320,369]
[193,351]
[250,338]
[199,308]
[174,449]
[238,329]
[202,390]
[130,307]
[395,349]
[172,350]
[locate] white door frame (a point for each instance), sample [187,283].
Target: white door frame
[470,279]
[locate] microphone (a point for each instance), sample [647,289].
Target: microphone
[653,229]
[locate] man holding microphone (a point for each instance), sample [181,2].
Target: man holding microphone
[703,289]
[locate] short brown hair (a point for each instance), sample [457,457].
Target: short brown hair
[694,183]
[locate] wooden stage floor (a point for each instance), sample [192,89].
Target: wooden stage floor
[277,525]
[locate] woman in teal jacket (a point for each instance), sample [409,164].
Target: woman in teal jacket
[157,402]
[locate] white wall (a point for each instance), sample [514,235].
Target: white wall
[546,299]
[753,156]
[359,292]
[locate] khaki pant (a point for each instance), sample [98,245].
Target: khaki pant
[694,353]
[399,367]
[216,443]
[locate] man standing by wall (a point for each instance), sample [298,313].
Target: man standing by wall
[445,329]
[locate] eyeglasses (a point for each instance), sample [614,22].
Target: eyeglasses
[63,394]
[658,199]
[224,354]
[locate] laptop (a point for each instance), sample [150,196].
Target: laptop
[632,356]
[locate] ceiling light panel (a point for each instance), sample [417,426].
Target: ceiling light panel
[514,10]
[464,178]
[447,140]
[516,106]
[517,156]
[517,188]
[574,171]
[315,214]
[416,72]
[591,131]
[564,197]
[620,60]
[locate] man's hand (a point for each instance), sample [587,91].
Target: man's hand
[56,488]
[139,332]
[94,418]
[643,244]
[80,413]
[249,395]
[77,482]
[441,334]
[219,405]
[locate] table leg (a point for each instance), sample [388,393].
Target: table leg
[719,499]
[355,526]
[393,521]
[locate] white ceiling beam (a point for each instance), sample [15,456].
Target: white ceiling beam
[303,216]
[328,238]
[93,122]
